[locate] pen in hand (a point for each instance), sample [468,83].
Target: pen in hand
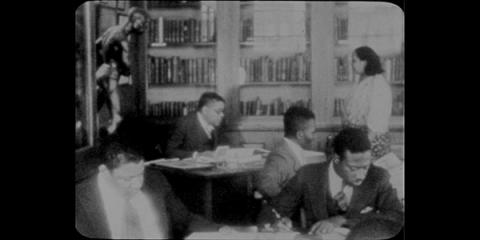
[282,223]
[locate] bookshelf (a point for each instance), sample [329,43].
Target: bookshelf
[274,61]
[181,57]
[298,53]
[350,19]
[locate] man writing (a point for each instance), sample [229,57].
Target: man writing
[344,192]
[126,201]
[197,132]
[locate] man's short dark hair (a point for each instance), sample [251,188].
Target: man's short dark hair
[295,119]
[116,154]
[208,97]
[353,139]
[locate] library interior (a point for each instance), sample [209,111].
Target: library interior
[239,120]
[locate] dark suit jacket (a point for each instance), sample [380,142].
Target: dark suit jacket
[280,166]
[188,137]
[91,221]
[310,189]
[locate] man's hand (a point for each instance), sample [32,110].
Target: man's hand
[284,224]
[327,226]
[208,154]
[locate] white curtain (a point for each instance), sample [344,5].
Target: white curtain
[378,25]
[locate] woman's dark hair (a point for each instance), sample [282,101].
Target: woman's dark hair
[353,139]
[373,66]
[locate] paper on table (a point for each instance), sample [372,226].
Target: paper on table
[184,164]
[337,234]
[243,236]
[162,160]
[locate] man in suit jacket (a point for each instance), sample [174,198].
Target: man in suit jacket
[287,157]
[155,212]
[341,193]
[196,132]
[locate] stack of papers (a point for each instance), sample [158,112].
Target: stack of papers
[187,164]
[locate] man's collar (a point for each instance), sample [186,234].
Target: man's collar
[206,126]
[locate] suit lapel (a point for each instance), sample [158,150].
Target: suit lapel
[361,195]
[200,131]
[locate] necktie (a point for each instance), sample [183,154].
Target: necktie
[132,229]
[341,199]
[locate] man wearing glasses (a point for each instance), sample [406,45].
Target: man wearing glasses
[345,192]
[126,201]
[197,131]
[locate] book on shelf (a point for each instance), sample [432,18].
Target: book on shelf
[394,68]
[173,4]
[176,70]
[275,107]
[172,110]
[341,28]
[343,73]
[247,30]
[285,69]
[338,107]
[182,31]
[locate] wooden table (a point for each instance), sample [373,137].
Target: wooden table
[206,178]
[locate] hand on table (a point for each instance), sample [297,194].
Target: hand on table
[327,226]
[282,225]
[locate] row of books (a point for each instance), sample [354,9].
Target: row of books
[173,4]
[341,28]
[294,68]
[398,104]
[247,30]
[394,68]
[337,106]
[169,110]
[276,107]
[180,31]
[176,70]
[343,69]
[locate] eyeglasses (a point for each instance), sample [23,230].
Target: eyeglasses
[355,168]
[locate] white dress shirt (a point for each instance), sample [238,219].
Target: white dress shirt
[114,205]
[208,128]
[336,183]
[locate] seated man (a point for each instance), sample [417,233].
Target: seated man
[196,132]
[126,201]
[287,157]
[341,193]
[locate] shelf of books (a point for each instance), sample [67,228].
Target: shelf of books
[274,61]
[181,56]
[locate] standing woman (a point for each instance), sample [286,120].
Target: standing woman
[370,104]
